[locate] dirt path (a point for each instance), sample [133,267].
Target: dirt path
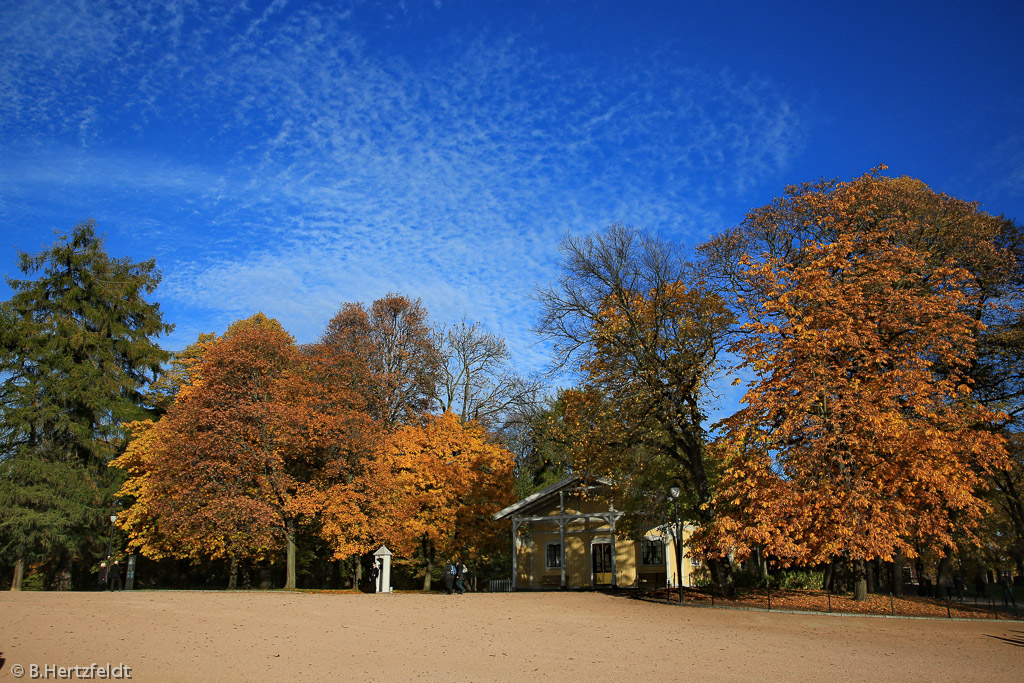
[190,636]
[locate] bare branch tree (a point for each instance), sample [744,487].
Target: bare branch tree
[630,317]
[477,381]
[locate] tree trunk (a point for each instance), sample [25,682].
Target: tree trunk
[62,580]
[691,453]
[428,559]
[428,575]
[357,570]
[290,577]
[233,574]
[840,575]
[722,574]
[860,580]
[826,578]
[872,584]
[896,578]
[19,574]
[980,577]
[944,574]
[761,563]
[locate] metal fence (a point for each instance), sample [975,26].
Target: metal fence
[499,585]
[986,605]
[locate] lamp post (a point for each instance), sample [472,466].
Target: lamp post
[110,547]
[674,494]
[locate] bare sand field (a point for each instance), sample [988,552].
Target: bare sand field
[274,635]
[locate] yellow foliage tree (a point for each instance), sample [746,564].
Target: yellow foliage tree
[430,489]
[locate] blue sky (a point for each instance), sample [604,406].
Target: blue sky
[290,156]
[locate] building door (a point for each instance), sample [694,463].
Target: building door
[601,556]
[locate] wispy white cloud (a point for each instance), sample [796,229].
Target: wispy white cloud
[61,166]
[324,169]
[1004,163]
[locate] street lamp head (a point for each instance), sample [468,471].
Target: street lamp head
[113,518]
[674,492]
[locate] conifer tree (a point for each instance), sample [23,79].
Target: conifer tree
[76,351]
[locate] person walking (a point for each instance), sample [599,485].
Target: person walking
[1008,596]
[449,577]
[101,577]
[374,573]
[115,576]
[460,574]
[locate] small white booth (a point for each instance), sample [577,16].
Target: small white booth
[382,557]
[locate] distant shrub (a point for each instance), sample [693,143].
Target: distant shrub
[797,579]
[748,579]
[701,577]
[33,582]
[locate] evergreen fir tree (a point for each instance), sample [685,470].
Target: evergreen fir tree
[76,351]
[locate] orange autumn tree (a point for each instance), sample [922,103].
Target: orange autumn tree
[400,361]
[860,436]
[341,432]
[182,371]
[373,370]
[430,489]
[217,475]
[174,517]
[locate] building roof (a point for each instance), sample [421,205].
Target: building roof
[566,483]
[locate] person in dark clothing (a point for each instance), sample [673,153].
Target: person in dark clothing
[449,577]
[1008,596]
[115,576]
[374,574]
[460,574]
[960,586]
[101,577]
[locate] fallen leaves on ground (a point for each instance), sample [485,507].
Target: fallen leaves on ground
[819,601]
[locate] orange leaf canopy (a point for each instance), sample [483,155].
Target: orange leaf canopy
[860,435]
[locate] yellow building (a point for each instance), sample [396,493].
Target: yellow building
[564,536]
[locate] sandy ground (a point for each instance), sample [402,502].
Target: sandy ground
[256,636]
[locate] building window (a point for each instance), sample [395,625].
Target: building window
[554,555]
[695,563]
[652,552]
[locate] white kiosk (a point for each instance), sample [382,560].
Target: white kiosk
[383,559]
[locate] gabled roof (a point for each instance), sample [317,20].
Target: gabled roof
[568,482]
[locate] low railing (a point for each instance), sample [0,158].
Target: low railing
[499,585]
[983,606]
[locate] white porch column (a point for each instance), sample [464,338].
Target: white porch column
[561,536]
[615,578]
[668,565]
[515,552]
